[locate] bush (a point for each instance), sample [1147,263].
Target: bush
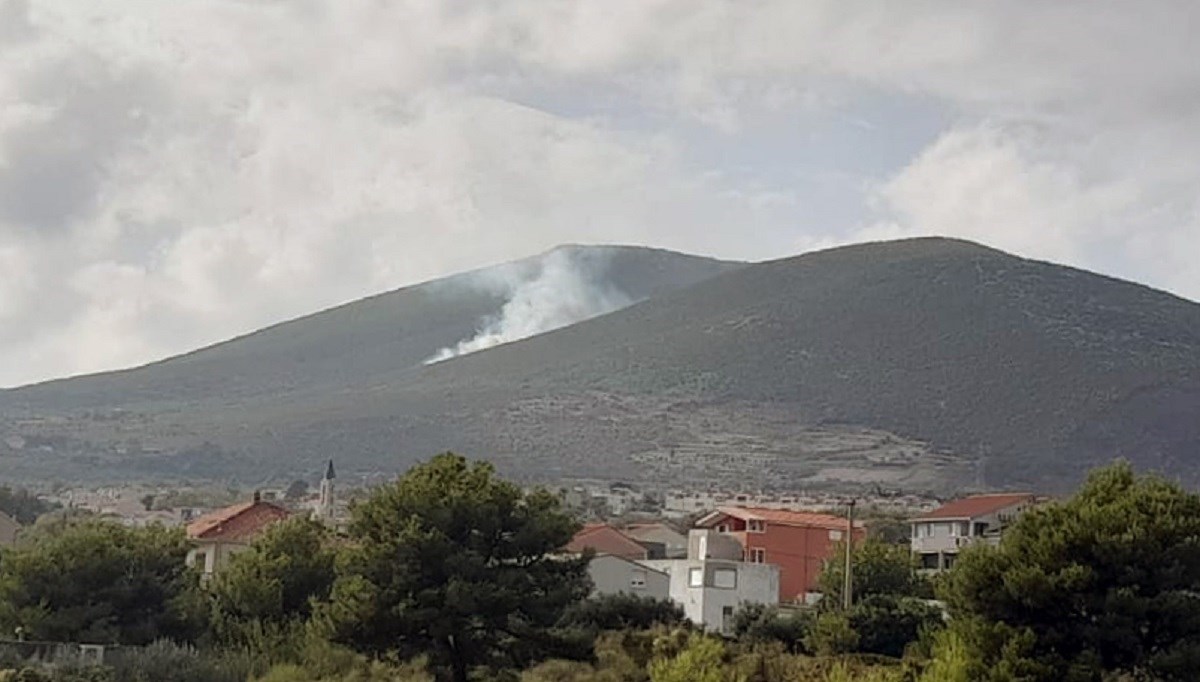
[831,634]
[886,624]
[623,612]
[758,623]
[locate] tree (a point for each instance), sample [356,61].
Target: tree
[886,624]
[296,491]
[701,660]
[273,585]
[878,568]
[1106,582]
[759,623]
[622,612]
[95,581]
[455,563]
[23,505]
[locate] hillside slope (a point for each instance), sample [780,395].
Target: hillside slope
[927,364]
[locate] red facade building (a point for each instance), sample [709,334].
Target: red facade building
[799,543]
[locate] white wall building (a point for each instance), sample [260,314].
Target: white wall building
[712,584]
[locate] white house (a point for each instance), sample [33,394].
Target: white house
[939,535]
[711,585]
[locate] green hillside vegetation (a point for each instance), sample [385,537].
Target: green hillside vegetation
[923,364]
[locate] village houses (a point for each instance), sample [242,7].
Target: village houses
[220,534]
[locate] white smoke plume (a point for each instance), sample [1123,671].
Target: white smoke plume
[563,288]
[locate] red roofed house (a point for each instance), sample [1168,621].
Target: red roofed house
[602,538]
[220,534]
[799,543]
[937,536]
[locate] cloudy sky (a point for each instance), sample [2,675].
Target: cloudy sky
[174,173]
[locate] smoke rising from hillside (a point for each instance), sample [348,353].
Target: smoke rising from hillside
[564,288]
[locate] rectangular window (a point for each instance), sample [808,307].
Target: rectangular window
[727,620]
[758,555]
[929,561]
[637,579]
[696,577]
[756,526]
[722,528]
[725,578]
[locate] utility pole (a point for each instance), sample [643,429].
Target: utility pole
[848,585]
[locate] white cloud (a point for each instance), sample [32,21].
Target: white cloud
[174,173]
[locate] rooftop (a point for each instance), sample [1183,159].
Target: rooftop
[783,517]
[604,539]
[977,505]
[238,522]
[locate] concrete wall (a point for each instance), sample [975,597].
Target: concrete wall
[615,575]
[709,598]
[216,554]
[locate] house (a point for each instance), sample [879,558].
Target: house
[618,575]
[673,543]
[938,535]
[220,534]
[9,528]
[798,542]
[602,538]
[710,587]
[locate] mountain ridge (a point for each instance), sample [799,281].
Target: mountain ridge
[926,364]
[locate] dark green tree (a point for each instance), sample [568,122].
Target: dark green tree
[886,624]
[272,586]
[1105,583]
[23,505]
[99,582]
[878,568]
[622,612]
[456,564]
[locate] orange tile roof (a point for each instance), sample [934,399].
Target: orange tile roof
[238,522]
[604,539]
[783,517]
[977,505]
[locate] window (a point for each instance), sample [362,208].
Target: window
[756,526]
[929,561]
[725,578]
[637,579]
[835,535]
[758,555]
[695,577]
[727,619]
[723,528]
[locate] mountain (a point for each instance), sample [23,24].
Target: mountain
[924,364]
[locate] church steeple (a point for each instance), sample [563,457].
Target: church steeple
[325,502]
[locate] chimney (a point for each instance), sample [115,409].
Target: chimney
[257,497]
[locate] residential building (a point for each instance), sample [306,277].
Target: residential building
[674,543]
[602,538]
[9,528]
[220,534]
[711,590]
[939,535]
[618,575]
[798,542]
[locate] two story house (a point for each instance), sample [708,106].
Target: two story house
[799,543]
[220,534]
[939,535]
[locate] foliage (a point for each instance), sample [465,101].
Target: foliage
[270,588]
[1106,582]
[23,505]
[878,568]
[701,660]
[887,624]
[296,490]
[622,612]
[759,623]
[831,634]
[453,562]
[96,581]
